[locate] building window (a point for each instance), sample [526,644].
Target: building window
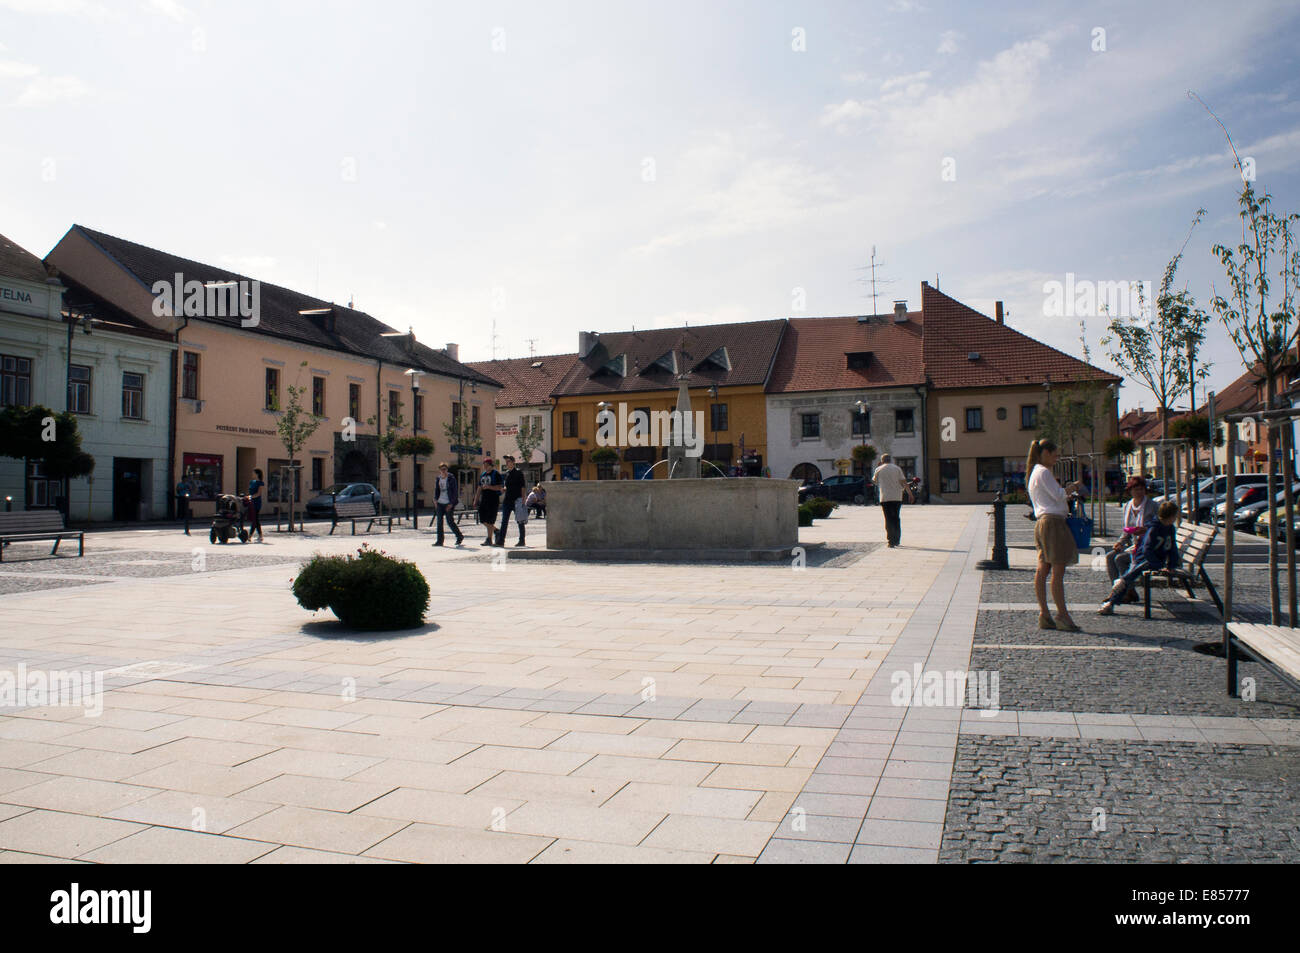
[318,396]
[417,411]
[190,375]
[569,422]
[907,465]
[949,476]
[719,416]
[394,408]
[272,388]
[456,411]
[1028,416]
[317,474]
[79,389]
[861,424]
[974,418]
[279,473]
[392,480]
[988,474]
[812,426]
[133,396]
[15,381]
[354,401]
[903,422]
[473,421]
[41,490]
[419,476]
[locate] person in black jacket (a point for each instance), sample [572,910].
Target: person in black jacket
[514,493]
[486,498]
[446,494]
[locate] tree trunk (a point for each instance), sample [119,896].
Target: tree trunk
[1274,593]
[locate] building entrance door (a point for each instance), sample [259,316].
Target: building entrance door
[126,489]
[245,460]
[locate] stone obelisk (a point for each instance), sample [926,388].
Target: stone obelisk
[681,466]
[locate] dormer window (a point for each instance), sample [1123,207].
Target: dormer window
[857,360]
[616,366]
[719,358]
[665,362]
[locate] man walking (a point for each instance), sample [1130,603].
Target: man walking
[890,487]
[514,495]
[487,497]
[446,495]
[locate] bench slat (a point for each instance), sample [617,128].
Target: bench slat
[1279,644]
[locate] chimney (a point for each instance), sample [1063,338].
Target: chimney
[410,340]
[453,351]
[997,311]
[900,312]
[586,342]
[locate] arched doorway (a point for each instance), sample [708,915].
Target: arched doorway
[806,473]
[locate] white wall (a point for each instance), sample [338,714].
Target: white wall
[786,448]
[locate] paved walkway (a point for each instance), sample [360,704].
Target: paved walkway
[548,712]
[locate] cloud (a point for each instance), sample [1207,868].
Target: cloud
[81,9]
[839,114]
[47,90]
[853,79]
[10,69]
[168,8]
[948,42]
[909,82]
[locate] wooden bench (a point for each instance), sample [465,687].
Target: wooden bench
[37,525]
[1193,544]
[354,512]
[1277,647]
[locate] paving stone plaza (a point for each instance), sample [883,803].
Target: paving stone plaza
[556,711]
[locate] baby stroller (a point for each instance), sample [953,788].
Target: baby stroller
[228,521]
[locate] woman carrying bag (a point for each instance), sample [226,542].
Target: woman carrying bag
[1052,536]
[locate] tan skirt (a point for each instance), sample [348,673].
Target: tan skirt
[1055,541]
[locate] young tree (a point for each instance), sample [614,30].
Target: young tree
[1162,354]
[529,438]
[1259,313]
[38,433]
[295,427]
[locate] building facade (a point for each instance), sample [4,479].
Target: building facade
[235,375]
[116,381]
[726,369]
[839,382]
[524,401]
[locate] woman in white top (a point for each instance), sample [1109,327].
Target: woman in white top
[1055,542]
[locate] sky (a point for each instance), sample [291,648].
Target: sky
[505,175]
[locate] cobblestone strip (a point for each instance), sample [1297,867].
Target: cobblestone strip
[880,792]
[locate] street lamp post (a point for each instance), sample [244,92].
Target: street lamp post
[713,393]
[416,413]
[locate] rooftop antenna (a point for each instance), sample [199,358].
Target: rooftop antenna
[494,339]
[874,279]
[532,346]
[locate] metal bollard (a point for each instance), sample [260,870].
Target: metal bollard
[999,557]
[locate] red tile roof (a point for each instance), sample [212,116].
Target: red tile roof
[813,354]
[954,331]
[750,349]
[528,381]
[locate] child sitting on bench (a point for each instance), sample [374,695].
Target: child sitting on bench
[1158,549]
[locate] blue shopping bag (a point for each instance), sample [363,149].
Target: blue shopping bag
[1081,529]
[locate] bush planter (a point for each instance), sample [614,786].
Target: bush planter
[370,591]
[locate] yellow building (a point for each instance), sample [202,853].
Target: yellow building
[244,344]
[726,367]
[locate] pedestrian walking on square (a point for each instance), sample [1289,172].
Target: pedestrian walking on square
[513,504]
[1052,536]
[1139,513]
[891,485]
[446,494]
[255,507]
[487,498]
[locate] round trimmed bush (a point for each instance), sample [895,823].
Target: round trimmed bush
[805,515]
[820,506]
[371,590]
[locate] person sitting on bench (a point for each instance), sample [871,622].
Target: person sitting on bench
[1158,549]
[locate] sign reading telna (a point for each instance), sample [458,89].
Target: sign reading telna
[23,300]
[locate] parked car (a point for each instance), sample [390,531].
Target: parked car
[1245,517]
[1212,491]
[323,504]
[846,488]
[1272,523]
[1242,496]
